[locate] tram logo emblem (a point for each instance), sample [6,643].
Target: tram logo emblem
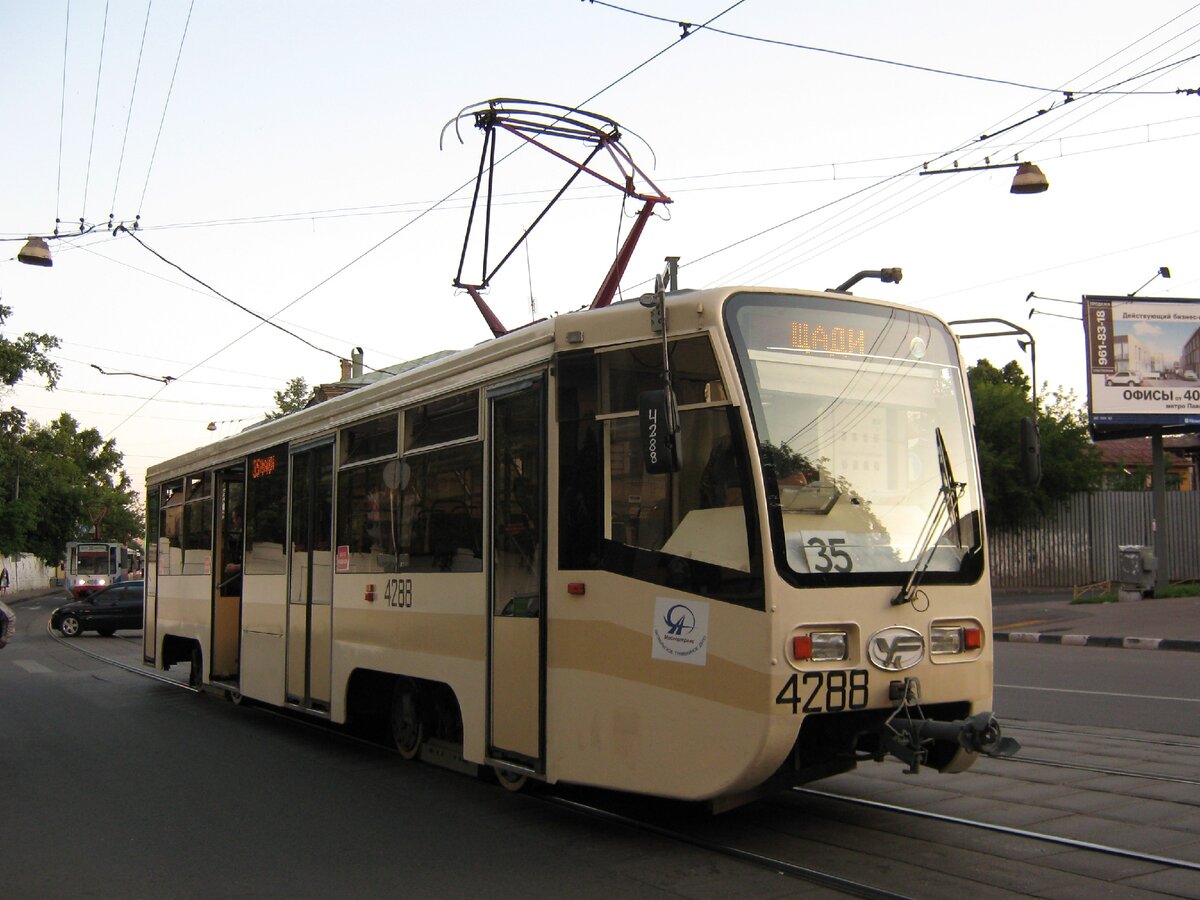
[679,620]
[896,648]
[680,631]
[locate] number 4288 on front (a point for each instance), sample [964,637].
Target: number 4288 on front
[815,692]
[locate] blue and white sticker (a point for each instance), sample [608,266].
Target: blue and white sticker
[681,631]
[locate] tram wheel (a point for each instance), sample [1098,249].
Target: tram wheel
[408,731]
[511,781]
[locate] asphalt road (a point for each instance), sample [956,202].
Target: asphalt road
[1139,690]
[114,785]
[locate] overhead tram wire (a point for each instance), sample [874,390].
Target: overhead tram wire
[384,240]
[87,178]
[688,26]
[62,115]
[129,115]
[79,245]
[166,103]
[890,180]
[263,319]
[674,184]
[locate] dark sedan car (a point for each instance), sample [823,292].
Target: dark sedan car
[106,611]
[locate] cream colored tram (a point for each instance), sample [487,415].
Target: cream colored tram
[474,551]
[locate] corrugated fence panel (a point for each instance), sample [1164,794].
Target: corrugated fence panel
[1079,544]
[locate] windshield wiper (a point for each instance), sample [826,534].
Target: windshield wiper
[945,506]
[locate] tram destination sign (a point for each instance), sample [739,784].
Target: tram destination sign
[1143,358]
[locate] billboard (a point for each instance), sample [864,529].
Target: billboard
[1143,357]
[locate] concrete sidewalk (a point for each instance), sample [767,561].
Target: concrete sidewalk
[1171,623]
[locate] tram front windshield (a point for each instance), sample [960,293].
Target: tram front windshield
[863,433]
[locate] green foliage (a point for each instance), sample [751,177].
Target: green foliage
[27,352]
[292,398]
[56,482]
[69,483]
[1070,461]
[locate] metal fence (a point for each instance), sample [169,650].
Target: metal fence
[1079,544]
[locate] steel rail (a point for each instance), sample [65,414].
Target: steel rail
[804,873]
[1105,849]
[1010,725]
[136,670]
[1100,770]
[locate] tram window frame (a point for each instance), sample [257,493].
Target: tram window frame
[358,481]
[170,527]
[360,442]
[592,400]
[266,520]
[197,523]
[436,423]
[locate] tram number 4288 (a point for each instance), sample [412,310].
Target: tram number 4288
[814,692]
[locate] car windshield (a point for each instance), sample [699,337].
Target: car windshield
[863,433]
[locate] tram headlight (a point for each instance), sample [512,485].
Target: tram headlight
[820,646]
[944,639]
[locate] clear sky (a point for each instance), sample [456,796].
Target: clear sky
[270,145]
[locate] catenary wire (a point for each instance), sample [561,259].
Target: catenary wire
[888,182]
[166,104]
[129,114]
[95,109]
[689,28]
[62,114]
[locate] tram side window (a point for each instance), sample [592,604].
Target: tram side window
[697,513]
[266,512]
[442,421]
[422,513]
[443,523]
[580,460]
[197,524]
[373,439]
[170,529]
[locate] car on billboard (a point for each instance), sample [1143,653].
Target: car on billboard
[1123,376]
[1189,375]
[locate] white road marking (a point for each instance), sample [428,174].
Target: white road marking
[1022,687]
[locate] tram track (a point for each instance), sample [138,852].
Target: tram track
[794,870]
[1100,770]
[1058,840]
[694,837]
[1011,726]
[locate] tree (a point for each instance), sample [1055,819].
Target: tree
[292,398]
[78,486]
[56,482]
[1070,461]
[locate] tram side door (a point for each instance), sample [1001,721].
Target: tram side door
[225,652]
[517,581]
[310,577]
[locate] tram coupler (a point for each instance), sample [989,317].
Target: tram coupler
[909,736]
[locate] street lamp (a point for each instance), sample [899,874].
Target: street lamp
[36,252]
[1028,180]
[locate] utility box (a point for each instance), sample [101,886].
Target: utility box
[1138,569]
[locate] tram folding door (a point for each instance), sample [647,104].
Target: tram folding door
[310,577]
[517,582]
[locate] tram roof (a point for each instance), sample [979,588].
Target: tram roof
[625,321]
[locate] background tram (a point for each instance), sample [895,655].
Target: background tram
[89,566]
[486,553]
